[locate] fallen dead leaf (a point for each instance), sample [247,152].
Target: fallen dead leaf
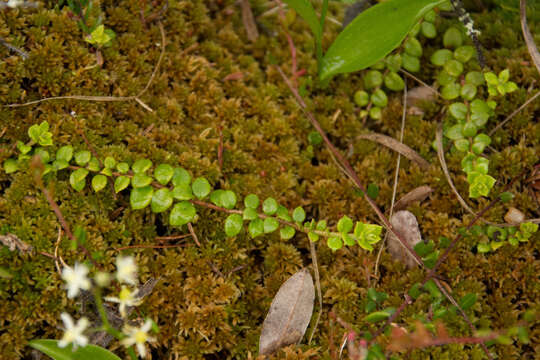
[418,194]
[289,314]
[396,146]
[404,222]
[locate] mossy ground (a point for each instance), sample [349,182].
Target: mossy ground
[202,314]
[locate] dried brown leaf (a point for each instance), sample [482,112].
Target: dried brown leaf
[418,194]
[396,146]
[249,21]
[404,222]
[289,314]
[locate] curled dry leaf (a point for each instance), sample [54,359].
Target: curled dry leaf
[404,222]
[396,146]
[289,314]
[418,194]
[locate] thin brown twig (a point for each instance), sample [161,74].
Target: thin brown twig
[37,167]
[171,237]
[149,247]
[313,252]
[514,113]
[193,234]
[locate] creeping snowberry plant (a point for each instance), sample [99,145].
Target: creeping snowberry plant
[164,188]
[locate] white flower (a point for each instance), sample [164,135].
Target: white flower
[138,336]
[14,3]
[76,279]
[126,270]
[74,332]
[125,298]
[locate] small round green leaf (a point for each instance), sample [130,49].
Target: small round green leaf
[286,232]
[410,63]
[506,196]
[413,47]
[270,206]
[450,91]
[82,157]
[464,53]
[393,81]
[65,153]
[93,164]
[393,62]
[182,213]
[314,138]
[10,166]
[182,192]
[429,30]
[140,180]
[181,177]
[270,225]
[361,98]
[345,224]
[233,225]
[469,129]
[250,214]
[256,227]
[375,112]
[452,38]
[163,173]
[474,78]
[372,79]
[440,57]
[162,199]
[141,165]
[201,187]
[468,91]
[430,16]
[334,243]
[109,162]
[77,179]
[121,183]
[299,215]
[453,67]
[122,167]
[251,201]
[141,197]
[443,78]
[455,132]
[458,110]
[462,144]
[99,182]
[379,98]
[228,199]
